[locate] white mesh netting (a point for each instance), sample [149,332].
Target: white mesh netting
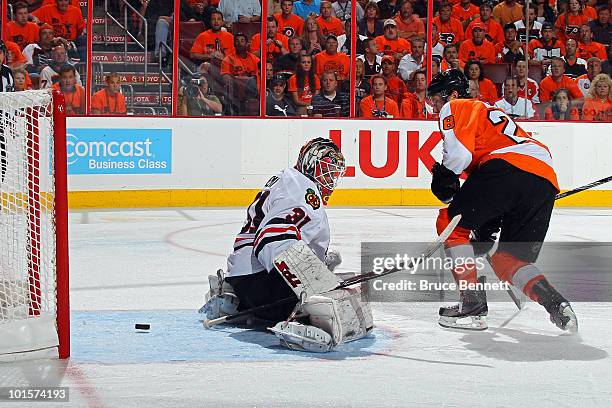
[27,230]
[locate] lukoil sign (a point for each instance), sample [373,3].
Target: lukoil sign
[119,151]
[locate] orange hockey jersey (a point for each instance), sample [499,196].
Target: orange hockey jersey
[474,132]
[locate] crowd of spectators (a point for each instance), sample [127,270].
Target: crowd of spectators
[309,56]
[566,43]
[44,42]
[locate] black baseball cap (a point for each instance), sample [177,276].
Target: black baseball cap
[278,78]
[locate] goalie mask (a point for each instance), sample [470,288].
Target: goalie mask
[321,161]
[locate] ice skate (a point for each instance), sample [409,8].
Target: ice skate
[560,310]
[469,313]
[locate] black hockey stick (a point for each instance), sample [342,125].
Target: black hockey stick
[585,187]
[510,291]
[364,277]
[431,249]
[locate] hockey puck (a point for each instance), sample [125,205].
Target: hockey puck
[140,326]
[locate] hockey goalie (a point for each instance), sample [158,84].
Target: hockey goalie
[281,252]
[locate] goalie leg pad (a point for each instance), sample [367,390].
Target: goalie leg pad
[220,305]
[341,313]
[220,300]
[217,285]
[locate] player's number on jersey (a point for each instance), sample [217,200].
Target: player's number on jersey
[297,217]
[497,117]
[252,222]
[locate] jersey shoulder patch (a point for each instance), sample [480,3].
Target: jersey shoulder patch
[448,122]
[312,199]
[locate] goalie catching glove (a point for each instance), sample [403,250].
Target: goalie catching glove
[333,259]
[444,183]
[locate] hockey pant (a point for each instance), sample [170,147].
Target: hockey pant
[263,288]
[522,201]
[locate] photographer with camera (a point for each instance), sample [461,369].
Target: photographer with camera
[195,98]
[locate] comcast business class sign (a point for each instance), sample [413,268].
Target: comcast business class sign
[119,151]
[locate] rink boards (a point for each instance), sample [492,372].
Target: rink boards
[164,162]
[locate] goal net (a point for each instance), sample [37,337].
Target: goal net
[34,320]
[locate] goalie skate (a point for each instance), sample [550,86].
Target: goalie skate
[469,314]
[300,337]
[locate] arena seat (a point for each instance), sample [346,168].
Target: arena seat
[535,73]
[248,29]
[541,108]
[188,32]
[252,107]
[238,96]
[496,73]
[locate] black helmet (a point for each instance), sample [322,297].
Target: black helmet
[448,81]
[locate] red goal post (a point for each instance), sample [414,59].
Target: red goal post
[34,285]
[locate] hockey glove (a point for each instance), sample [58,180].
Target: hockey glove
[332,259]
[444,183]
[483,238]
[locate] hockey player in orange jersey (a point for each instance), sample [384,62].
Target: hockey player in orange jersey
[511,183]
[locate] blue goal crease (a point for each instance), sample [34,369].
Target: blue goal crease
[178,335]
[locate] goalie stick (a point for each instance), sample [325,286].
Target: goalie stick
[431,249]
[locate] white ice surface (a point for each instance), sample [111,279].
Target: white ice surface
[156,262]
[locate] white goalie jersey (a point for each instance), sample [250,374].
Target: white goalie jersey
[287,210]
